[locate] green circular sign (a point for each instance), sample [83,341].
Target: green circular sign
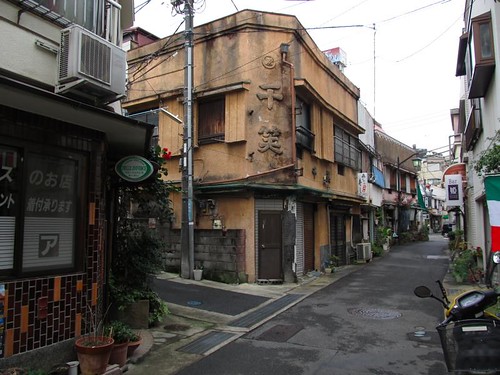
[134,168]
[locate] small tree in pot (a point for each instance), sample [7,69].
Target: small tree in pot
[138,248]
[94,349]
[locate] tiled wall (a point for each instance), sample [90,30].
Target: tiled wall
[40,311]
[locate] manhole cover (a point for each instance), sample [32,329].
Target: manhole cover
[194,303]
[372,313]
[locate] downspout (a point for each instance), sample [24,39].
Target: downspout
[288,265]
[284,52]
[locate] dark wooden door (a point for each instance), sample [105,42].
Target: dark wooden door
[337,237]
[308,238]
[270,245]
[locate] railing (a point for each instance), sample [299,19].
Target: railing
[91,16]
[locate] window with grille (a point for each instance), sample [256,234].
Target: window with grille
[86,13]
[347,151]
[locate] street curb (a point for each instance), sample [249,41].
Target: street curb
[305,288]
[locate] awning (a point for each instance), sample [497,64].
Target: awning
[223,188]
[125,136]
[457,168]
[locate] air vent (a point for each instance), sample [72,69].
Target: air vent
[364,251]
[90,65]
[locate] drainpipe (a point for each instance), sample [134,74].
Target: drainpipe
[284,52]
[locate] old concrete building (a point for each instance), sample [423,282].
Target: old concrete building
[402,211]
[276,147]
[476,123]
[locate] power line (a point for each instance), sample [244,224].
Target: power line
[413,11]
[431,42]
[141,6]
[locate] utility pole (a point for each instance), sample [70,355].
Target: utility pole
[187,228]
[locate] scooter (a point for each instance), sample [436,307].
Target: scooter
[469,335]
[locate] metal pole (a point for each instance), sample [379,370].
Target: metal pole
[398,188]
[187,229]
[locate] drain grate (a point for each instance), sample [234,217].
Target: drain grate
[207,342]
[269,281]
[374,313]
[281,332]
[260,314]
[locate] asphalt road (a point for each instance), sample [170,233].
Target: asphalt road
[369,322]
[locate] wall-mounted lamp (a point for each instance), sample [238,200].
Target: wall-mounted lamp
[417,162]
[284,47]
[217,224]
[326,178]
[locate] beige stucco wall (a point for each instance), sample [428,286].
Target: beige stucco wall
[235,213]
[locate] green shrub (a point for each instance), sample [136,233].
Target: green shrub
[377,249]
[120,332]
[464,265]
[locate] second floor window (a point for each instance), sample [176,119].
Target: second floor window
[480,61]
[482,40]
[347,151]
[305,137]
[211,120]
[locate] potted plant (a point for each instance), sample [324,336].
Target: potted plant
[333,262]
[198,272]
[382,238]
[133,344]
[93,350]
[121,334]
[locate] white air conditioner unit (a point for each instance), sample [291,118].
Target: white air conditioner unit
[364,251]
[90,66]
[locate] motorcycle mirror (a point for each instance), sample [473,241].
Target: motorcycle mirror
[422,292]
[496,257]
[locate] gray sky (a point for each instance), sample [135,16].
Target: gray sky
[405,68]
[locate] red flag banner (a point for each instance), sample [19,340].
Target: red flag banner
[492,189]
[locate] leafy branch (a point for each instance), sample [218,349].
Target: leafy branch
[489,159]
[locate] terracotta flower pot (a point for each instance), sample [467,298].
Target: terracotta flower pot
[119,354]
[93,354]
[132,346]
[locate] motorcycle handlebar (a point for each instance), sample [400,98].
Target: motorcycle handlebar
[446,321]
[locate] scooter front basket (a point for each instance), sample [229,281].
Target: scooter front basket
[471,345]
